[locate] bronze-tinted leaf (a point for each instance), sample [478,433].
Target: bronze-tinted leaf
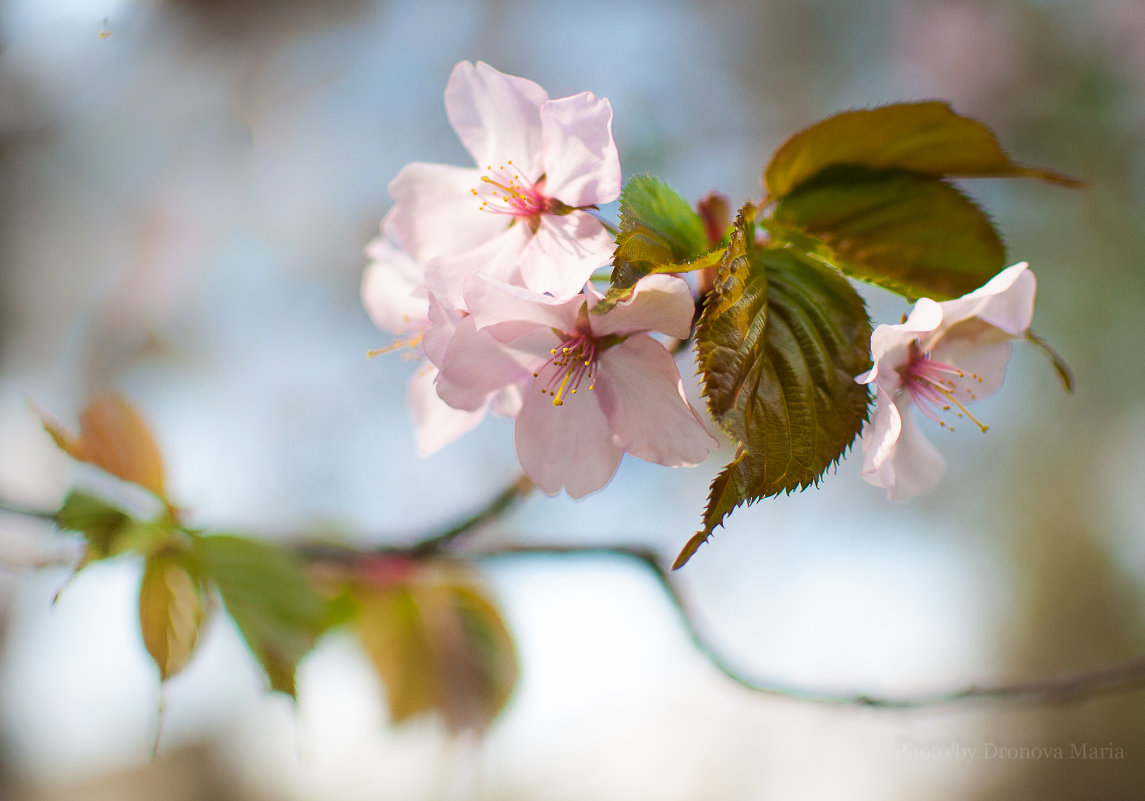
[910,233]
[114,437]
[171,612]
[439,644]
[928,138]
[780,341]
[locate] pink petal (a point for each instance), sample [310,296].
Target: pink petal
[496,116]
[1006,302]
[566,446]
[896,455]
[509,311]
[435,213]
[499,258]
[661,303]
[983,360]
[643,398]
[582,167]
[565,252]
[389,289]
[507,402]
[890,344]
[476,366]
[436,424]
[442,324]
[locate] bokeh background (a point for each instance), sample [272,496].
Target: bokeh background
[186,187]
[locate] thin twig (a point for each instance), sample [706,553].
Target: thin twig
[1078,686]
[501,503]
[1069,687]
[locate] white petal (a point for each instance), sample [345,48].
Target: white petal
[436,424]
[891,344]
[496,116]
[982,360]
[582,167]
[1006,302]
[565,252]
[512,311]
[641,394]
[390,285]
[566,446]
[661,303]
[435,213]
[895,453]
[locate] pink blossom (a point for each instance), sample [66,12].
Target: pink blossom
[520,215]
[394,295]
[942,358]
[595,385]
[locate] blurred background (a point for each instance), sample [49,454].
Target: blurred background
[186,187]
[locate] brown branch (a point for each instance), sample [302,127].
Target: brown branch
[515,491]
[1125,676]
[1082,685]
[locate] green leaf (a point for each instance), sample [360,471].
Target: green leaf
[101,524]
[171,611]
[657,228]
[109,530]
[910,233]
[780,341]
[439,644]
[927,137]
[266,592]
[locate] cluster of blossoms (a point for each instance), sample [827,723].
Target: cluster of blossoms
[485,270]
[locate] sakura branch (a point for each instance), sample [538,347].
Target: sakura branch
[1073,687]
[517,296]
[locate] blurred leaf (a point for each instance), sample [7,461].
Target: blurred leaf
[780,341]
[659,232]
[101,523]
[439,645]
[928,137]
[266,592]
[108,530]
[114,437]
[911,233]
[171,612]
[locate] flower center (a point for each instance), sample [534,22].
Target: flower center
[936,387]
[571,363]
[503,191]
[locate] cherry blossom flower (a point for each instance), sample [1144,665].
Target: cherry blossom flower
[595,385]
[943,357]
[394,295]
[521,215]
